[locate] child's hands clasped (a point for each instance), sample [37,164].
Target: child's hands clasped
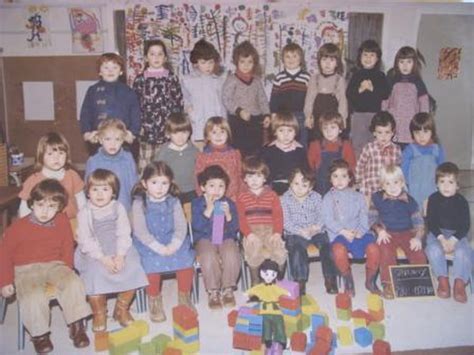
[119,261]
[8,291]
[109,263]
[275,240]
[226,209]
[245,115]
[415,244]
[383,237]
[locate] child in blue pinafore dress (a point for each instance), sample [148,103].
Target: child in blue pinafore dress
[421,158]
[105,257]
[160,235]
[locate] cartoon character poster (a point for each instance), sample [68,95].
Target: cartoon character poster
[37,26]
[86,30]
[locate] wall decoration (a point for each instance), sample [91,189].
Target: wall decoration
[37,26]
[269,27]
[38,98]
[449,63]
[86,30]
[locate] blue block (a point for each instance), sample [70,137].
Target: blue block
[252,318]
[251,331]
[363,336]
[334,341]
[317,320]
[184,339]
[290,312]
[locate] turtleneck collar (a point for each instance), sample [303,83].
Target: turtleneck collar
[245,78]
[53,174]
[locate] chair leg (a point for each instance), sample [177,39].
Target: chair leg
[245,274]
[3,306]
[195,290]
[288,269]
[140,300]
[21,330]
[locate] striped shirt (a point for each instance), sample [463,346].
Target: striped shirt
[259,209]
[289,91]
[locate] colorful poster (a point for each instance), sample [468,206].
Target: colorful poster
[269,27]
[449,63]
[86,30]
[37,26]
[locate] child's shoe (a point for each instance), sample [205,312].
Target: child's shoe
[349,283]
[99,312]
[215,299]
[371,281]
[302,285]
[157,313]
[331,285]
[185,299]
[228,298]
[121,311]
[77,332]
[444,290]
[388,291]
[42,344]
[459,291]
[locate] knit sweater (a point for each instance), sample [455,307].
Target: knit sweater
[238,95]
[110,100]
[367,101]
[282,163]
[27,241]
[259,209]
[289,91]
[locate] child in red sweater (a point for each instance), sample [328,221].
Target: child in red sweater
[36,254]
[260,218]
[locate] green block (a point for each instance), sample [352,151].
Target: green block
[377,330]
[343,314]
[305,322]
[161,342]
[147,349]
[125,348]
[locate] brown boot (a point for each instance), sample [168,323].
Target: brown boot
[254,276]
[99,312]
[459,291]
[77,332]
[121,311]
[185,299]
[42,344]
[214,301]
[157,313]
[371,281]
[228,299]
[388,291]
[444,290]
[330,283]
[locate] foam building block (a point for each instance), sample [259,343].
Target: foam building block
[161,341]
[232,318]
[185,330]
[289,303]
[343,314]
[172,351]
[378,330]
[298,341]
[374,302]
[101,341]
[292,287]
[218,221]
[344,336]
[185,317]
[377,316]
[128,339]
[257,352]
[147,349]
[320,348]
[381,347]
[343,300]
[245,341]
[309,305]
[247,334]
[363,336]
[360,318]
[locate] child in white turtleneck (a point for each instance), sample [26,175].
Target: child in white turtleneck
[53,162]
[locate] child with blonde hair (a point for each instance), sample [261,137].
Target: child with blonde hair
[284,153]
[218,151]
[53,161]
[111,134]
[260,218]
[160,235]
[105,257]
[396,219]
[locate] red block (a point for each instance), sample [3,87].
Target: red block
[172,351]
[298,341]
[381,347]
[232,318]
[359,313]
[324,334]
[343,301]
[185,317]
[377,316]
[246,341]
[321,348]
[289,303]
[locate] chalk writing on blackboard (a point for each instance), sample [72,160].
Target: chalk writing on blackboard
[412,281]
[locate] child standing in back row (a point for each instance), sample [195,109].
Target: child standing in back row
[244,98]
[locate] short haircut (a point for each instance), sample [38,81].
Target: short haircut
[205,50]
[408,53]
[178,122]
[103,177]
[56,141]
[370,46]
[306,173]
[382,119]
[331,117]
[332,51]
[113,123]
[341,164]
[111,57]
[294,47]
[220,122]
[213,172]
[255,165]
[49,189]
[244,50]
[423,121]
[391,172]
[284,119]
[445,169]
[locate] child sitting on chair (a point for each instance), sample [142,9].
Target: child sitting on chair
[36,255]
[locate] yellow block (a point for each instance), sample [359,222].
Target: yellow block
[137,329]
[191,348]
[374,302]
[309,305]
[344,335]
[359,322]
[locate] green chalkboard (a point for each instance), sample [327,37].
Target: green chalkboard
[412,281]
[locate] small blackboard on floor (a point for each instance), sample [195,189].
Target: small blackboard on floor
[412,281]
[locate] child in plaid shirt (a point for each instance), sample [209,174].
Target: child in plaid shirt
[377,154]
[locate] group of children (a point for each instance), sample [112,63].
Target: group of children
[280,180]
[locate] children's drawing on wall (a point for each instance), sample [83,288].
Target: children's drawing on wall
[37,26]
[86,30]
[449,63]
[269,27]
